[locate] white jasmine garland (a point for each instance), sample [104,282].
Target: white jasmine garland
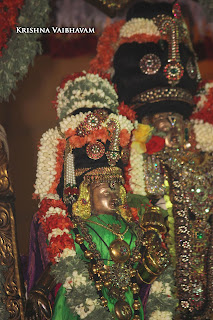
[159,315]
[137,181]
[139,26]
[85,92]
[203,135]
[203,97]
[75,279]
[66,253]
[46,162]
[90,306]
[57,232]
[52,211]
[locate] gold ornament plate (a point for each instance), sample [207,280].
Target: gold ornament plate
[123,310]
[119,251]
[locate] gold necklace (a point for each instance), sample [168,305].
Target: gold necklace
[118,234]
[119,249]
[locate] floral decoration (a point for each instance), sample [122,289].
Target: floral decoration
[155,144]
[162,302]
[106,48]
[204,103]
[203,135]
[52,147]
[202,118]
[85,90]
[126,111]
[136,172]
[140,137]
[144,140]
[19,50]
[57,227]
[9,11]
[137,29]
[139,26]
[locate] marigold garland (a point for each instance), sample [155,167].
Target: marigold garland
[126,111]
[106,48]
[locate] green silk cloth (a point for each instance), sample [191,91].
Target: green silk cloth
[102,238]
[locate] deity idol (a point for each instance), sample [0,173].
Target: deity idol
[153,64]
[96,248]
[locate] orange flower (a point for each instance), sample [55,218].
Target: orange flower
[77,142]
[140,38]
[70,133]
[124,138]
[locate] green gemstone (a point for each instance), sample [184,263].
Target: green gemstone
[174,70]
[199,235]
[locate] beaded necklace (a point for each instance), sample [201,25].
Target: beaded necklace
[120,276]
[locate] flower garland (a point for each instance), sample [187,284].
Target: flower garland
[204,103]
[203,135]
[161,302]
[137,29]
[143,141]
[22,48]
[9,13]
[202,118]
[106,48]
[85,90]
[139,26]
[57,226]
[50,163]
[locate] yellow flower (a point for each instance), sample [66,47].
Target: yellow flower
[140,136]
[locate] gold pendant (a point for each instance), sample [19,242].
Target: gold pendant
[123,310]
[119,251]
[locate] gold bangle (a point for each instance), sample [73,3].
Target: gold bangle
[141,279]
[147,268]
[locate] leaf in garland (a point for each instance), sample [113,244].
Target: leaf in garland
[22,48]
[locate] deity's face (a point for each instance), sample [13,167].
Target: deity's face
[171,124]
[104,198]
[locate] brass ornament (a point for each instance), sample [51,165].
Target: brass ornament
[95,150]
[191,68]
[88,254]
[125,155]
[113,154]
[119,251]
[136,305]
[82,207]
[104,301]
[123,310]
[162,94]
[150,64]
[79,239]
[170,28]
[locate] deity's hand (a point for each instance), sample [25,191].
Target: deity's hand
[38,306]
[155,259]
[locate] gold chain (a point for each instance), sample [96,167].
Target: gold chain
[118,234]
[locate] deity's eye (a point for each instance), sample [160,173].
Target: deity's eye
[150,64]
[191,68]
